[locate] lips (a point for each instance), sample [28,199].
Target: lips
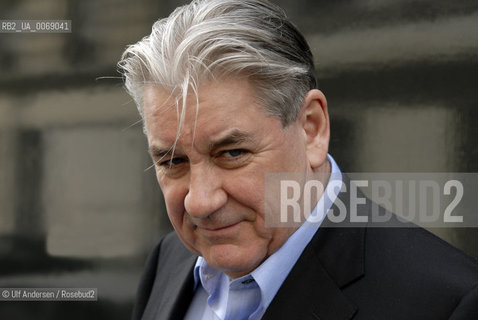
[215,231]
[219,228]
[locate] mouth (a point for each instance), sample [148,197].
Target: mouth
[215,231]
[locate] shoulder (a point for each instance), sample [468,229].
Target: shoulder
[413,248]
[168,253]
[411,264]
[405,271]
[171,248]
[167,257]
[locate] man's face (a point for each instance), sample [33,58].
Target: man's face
[213,184]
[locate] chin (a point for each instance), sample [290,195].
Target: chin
[233,261]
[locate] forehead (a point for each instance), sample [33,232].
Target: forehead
[218,106]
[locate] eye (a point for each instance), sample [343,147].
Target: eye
[176,161]
[233,158]
[234,153]
[172,162]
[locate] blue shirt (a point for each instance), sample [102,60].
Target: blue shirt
[218,298]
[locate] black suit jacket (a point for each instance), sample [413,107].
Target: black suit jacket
[359,273]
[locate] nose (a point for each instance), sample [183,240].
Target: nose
[205,195]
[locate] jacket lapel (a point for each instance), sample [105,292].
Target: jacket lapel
[313,288]
[330,262]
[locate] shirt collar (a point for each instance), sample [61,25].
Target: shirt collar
[274,270]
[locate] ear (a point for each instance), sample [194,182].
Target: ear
[314,121]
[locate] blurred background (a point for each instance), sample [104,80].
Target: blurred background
[78,207]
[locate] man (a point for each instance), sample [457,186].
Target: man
[227,92]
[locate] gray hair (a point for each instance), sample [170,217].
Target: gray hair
[214,38]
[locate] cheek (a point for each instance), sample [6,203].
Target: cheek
[174,199]
[248,190]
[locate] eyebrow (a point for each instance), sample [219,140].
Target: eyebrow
[160,153]
[233,138]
